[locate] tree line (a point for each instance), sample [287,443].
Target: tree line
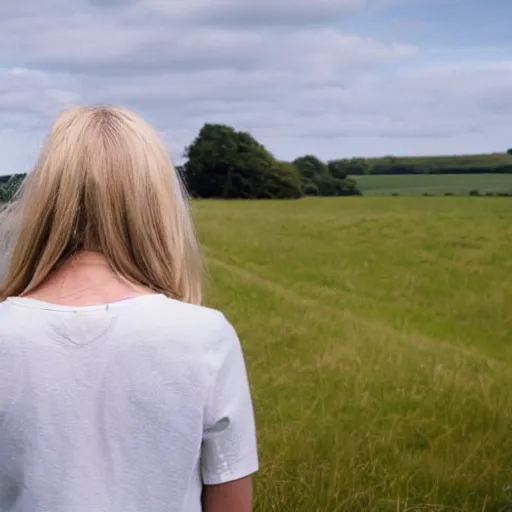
[225,163]
[500,164]
[229,164]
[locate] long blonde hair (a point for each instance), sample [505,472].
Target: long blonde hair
[103,182]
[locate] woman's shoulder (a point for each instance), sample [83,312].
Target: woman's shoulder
[168,326]
[197,321]
[193,314]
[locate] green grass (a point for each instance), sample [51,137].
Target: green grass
[435,184]
[378,339]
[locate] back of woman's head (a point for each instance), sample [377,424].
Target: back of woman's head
[103,182]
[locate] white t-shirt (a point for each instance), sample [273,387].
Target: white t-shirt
[128,407]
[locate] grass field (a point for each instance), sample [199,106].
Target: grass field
[378,339]
[435,184]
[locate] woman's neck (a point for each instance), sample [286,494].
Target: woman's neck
[85,279]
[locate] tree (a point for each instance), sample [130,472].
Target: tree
[311,168]
[348,167]
[323,179]
[337,169]
[509,151]
[227,164]
[314,176]
[9,185]
[311,189]
[284,181]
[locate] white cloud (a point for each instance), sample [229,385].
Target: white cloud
[300,86]
[252,12]
[30,96]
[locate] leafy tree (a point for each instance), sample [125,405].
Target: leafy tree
[509,151]
[311,168]
[311,189]
[9,185]
[323,179]
[349,187]
[328,186]
[348,167]
[337,169]
[284,181]
[224,163]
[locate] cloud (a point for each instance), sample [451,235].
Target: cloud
[285,71]
[253,12]
[92,42]
[28,97]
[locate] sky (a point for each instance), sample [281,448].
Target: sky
[334,78]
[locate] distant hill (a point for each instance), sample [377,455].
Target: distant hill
[500,163]
[477,159]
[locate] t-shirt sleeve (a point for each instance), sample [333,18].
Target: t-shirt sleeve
[229,449]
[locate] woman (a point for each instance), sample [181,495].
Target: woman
[119,392]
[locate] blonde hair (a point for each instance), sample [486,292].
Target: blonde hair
[103,182]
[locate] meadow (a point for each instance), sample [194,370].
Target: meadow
[434,184]
[378,339]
